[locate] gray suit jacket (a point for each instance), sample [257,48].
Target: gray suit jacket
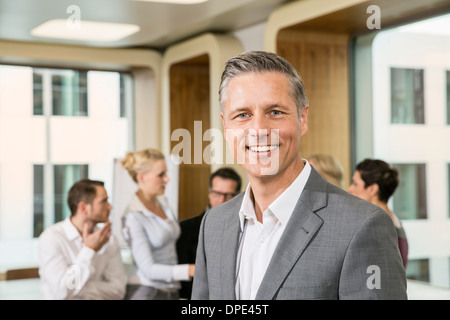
[335,246]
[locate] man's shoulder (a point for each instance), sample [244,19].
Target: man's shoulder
[54,230]
[353,204]
[350,212]
[337,204]
[231,205]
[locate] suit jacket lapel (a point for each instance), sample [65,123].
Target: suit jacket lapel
[230,247]
[301,228]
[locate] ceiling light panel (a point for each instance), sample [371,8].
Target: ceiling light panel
[84,30]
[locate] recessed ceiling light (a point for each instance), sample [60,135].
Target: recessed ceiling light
[84,30]
[176,1]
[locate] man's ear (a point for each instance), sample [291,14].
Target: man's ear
[223,125]
[223,120]
[81,207]
[304,120]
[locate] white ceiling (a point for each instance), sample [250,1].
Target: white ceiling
[161,24]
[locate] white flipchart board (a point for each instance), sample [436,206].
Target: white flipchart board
[124,187]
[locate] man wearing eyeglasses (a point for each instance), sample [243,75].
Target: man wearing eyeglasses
[224,184]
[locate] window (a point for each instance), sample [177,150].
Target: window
[38,199]
[56,127]
[64,177]
[410,201]
[68,92]
[407,99]
[38,99]
[418,269]
[123,103]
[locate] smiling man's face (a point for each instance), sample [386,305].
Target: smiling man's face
[262,125]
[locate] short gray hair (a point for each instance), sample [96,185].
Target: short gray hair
[258,62]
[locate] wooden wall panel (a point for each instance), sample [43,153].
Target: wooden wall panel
[189,102]
[322,61]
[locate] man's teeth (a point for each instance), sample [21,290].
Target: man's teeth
[263,148]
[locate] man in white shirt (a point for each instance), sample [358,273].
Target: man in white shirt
[78,260]
[291,235]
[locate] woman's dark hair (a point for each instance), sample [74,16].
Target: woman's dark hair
[379,172]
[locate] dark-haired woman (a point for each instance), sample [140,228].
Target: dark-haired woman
[375,181]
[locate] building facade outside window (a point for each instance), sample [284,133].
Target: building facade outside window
[402,116]
[56,127]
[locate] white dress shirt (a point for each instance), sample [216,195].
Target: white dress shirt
[152,240]
[70,270]
[259,240]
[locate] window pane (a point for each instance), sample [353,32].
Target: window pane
[418,269]
[38,104]
[410,200]
[64,177]
[69,93]
[38,201]
[407,97]
[123,108]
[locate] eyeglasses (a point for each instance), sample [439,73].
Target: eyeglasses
[218,194]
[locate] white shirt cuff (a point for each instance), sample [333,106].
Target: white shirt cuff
[181,272]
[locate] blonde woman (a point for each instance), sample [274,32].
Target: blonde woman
[328,167]
[151,230]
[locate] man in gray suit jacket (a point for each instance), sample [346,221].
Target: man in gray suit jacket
[291,235]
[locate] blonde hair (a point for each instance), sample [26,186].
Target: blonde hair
[140,161]
[328,167]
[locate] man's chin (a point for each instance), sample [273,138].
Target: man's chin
[260,170]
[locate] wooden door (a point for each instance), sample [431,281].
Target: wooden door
[189,106]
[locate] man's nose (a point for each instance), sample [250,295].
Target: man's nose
[260,122]
[260,131]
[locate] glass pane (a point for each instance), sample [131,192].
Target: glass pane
[123,109]
[69,94]
[64,177]
[38,104]
[83,94]
[407,97]
[410,200]
[418,269]
[38,199]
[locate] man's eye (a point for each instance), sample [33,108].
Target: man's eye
[242,115]
[276,112]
